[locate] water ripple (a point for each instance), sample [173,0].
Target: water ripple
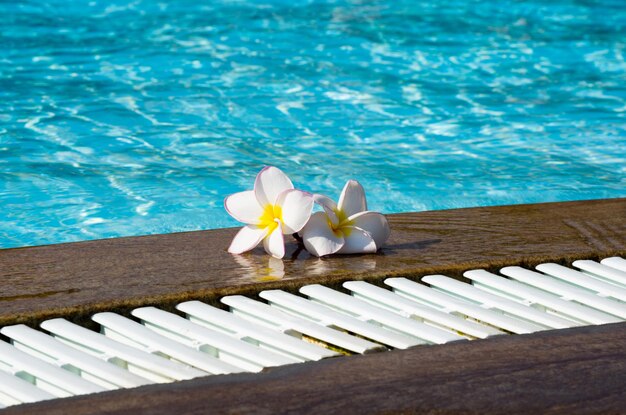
[134,117]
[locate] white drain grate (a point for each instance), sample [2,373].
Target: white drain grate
[66,359]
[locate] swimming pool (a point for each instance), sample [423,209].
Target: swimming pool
[127,118]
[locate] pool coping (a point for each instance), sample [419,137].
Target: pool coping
[77,279]
[577,370]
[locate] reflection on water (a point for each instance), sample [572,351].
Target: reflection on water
[258,266]
[265,268]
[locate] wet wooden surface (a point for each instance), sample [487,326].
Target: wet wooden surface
[567,371]
[573,371]
[77,279]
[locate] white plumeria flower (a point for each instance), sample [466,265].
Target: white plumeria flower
[346,227]
[273,209]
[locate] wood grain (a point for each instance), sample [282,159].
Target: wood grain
[77,279]
[580,370]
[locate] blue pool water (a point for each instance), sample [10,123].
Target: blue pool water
[136,117]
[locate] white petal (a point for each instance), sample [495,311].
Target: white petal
[330,207]
[358,241]
[325,201]
[373,223]
[269,183]
[296,207]
[274,243]
[319,238]
[352,199]
[244,207]
[246,239]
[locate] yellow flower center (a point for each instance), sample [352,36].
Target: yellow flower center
[342,228]
[341,216]
[269,216]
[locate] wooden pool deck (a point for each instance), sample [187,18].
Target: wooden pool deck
[578,370]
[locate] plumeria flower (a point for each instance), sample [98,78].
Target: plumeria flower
[346,227]
[273,209]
